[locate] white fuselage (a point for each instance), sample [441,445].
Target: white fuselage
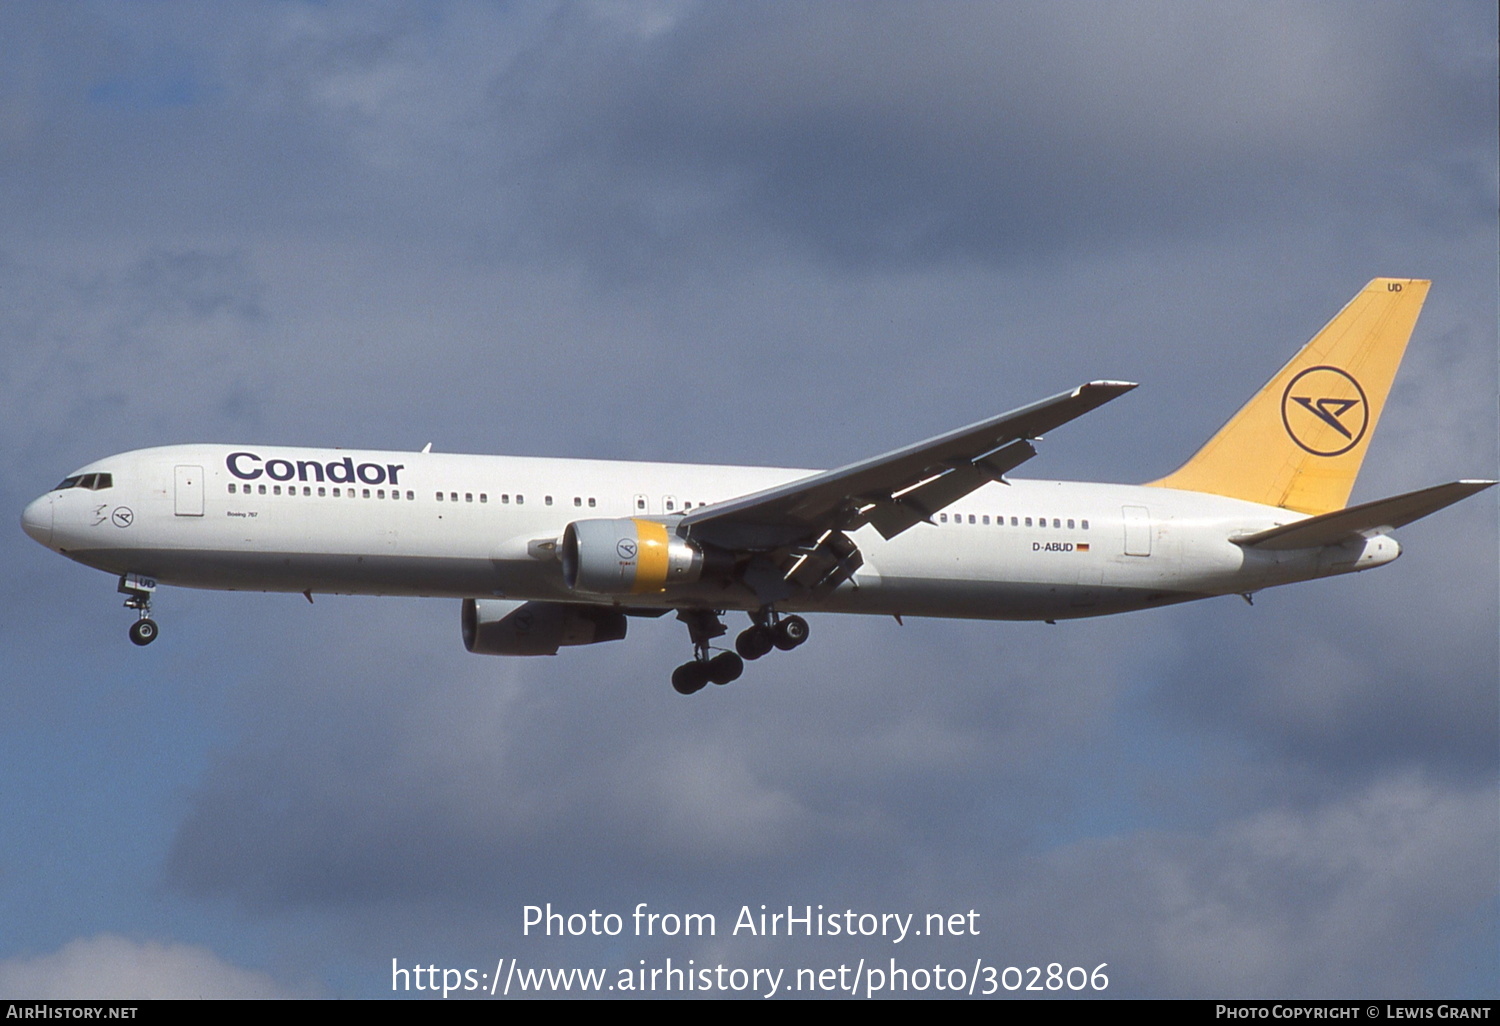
[437,524]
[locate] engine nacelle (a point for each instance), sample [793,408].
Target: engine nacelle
[501,627]
[627,557]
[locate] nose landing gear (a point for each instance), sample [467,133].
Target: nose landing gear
[137,590]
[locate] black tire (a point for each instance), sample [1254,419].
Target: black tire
[754,642]
[143,631]
[725,667]
[790,633]
[690,678]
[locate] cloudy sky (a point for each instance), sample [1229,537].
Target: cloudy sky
[787,234]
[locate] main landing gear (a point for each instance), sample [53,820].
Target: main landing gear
[703,626]
[770,631]
[137,591]
[767,631]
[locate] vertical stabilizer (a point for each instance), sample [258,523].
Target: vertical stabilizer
[1299,442]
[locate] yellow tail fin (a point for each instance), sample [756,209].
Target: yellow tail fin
[1299,442]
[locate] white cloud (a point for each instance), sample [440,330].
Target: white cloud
[110,967]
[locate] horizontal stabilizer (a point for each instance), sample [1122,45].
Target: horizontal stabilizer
[1367,519]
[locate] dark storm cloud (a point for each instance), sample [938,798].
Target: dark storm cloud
[544,768]
[1374,685]
[908,132]
[136,350]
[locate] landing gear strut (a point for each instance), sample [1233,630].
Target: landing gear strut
[137,591]
[703,626]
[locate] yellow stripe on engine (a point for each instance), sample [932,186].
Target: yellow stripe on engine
[651,563]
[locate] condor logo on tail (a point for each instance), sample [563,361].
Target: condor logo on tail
[1325,411]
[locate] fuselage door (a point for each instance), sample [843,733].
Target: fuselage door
[189,491]
[1137,530]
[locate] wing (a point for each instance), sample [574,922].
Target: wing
[805,519]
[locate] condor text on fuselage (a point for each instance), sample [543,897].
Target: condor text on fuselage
[248,466]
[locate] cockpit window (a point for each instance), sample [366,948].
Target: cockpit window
[93,482]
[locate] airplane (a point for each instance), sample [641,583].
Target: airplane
[550,553]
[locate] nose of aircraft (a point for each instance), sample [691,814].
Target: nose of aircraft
[36,520]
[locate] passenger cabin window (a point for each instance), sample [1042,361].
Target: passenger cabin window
[547,500]
[592,503]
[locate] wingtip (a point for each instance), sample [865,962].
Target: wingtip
[1114,387]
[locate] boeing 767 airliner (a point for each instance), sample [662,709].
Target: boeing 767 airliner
[548,552]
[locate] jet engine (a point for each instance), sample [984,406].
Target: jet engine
[627,557]
[501,627]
